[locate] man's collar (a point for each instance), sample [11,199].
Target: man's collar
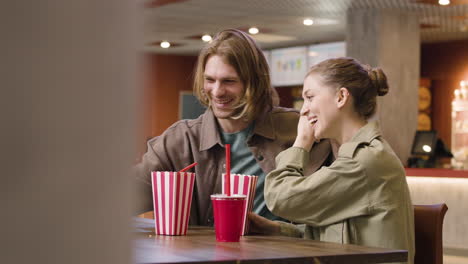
[264,125]
[210,130]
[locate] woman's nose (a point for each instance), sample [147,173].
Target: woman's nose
[304,109]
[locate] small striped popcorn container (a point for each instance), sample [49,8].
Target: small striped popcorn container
[172,198]
[243,185]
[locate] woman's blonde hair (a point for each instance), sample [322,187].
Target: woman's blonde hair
[363,82]
[241,52]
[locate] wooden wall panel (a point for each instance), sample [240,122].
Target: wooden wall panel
[285,95]
[165,77]
[446,64]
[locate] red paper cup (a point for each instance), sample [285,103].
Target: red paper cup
[172,198]
[228,214]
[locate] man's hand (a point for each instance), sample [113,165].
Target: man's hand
[305,134]
[261,225]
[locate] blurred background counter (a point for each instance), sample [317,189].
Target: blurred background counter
[431,186]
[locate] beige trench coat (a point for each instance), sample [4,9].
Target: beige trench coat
[361,198]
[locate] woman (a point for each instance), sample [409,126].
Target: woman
[362,197]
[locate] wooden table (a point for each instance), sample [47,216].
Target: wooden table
[200,246]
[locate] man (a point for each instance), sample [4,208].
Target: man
[232,80]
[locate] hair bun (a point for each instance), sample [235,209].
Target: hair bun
[379,81]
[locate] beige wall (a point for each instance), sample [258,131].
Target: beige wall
[67,108]
[390,40]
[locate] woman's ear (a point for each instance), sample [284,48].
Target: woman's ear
[342,97]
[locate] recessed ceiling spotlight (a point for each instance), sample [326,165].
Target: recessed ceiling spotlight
[165,44]
[427,148]
[253,30]
[206,38]
[444,2]
[308,22]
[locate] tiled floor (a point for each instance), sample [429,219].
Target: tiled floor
[449,259]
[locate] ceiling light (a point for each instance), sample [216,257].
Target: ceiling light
[427,148]
[308,22]
[165,44]
[206,38]
[444,2]
[253,30]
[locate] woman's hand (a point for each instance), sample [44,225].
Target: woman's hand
[305,134]
[261,225]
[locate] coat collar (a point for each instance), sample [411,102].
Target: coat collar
[364,135]
[264,125]
[367,133]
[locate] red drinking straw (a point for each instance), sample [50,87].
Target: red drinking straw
[227,182]
[188,167]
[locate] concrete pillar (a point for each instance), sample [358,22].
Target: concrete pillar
[390,40]
[67,111]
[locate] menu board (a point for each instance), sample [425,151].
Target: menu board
[320,52]
[288,66]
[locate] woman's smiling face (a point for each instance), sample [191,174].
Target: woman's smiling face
[320,106]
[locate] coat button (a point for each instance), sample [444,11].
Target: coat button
[260,157]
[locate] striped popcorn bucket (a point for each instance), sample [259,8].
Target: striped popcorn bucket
[243,185]
[172,198]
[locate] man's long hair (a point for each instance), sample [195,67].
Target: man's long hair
[240,51]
